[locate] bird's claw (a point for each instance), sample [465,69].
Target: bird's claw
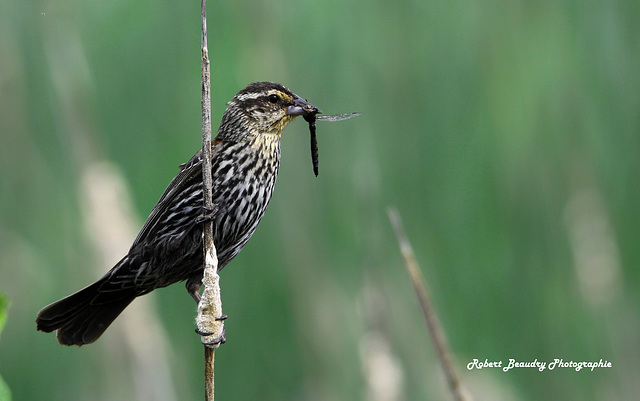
[221,339]
[218,340]
[207,214]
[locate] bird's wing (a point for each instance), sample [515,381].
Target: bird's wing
[189,171]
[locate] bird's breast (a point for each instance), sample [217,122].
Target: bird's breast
[242,188]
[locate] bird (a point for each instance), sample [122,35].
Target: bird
[245,158]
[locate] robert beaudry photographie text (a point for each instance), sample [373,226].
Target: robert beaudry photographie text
[536,364]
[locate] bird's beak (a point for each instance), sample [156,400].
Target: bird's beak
[301,107]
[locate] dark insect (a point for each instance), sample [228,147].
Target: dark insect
[311,119]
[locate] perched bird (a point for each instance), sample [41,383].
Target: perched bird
[245,157]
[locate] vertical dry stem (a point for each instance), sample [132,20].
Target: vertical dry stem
[209,382]
[428,312]
[210,306]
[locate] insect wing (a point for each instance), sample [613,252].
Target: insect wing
[338,117]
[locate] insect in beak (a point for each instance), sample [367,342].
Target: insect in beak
[311,119]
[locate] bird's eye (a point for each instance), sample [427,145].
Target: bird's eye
[273,98]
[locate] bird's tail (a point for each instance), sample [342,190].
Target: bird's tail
[82,317]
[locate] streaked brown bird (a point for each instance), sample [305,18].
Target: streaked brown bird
[245,161]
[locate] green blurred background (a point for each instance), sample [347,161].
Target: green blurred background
[505,132]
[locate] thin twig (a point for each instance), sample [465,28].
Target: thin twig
[210,306]
[428,312]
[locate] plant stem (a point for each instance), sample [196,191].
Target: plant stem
[210,306]
[428,312]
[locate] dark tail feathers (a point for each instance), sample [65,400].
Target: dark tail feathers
[79,319]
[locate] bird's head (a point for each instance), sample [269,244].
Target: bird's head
[262,108]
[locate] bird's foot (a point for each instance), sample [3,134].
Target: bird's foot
[221,339]
[219,319]
[207,214]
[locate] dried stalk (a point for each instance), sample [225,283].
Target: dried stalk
[428,312]
[210,306]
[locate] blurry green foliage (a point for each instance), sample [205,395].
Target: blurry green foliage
[5,393]
[4,306]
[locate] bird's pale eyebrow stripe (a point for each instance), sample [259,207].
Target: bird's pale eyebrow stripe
[256,95]
[247,96]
